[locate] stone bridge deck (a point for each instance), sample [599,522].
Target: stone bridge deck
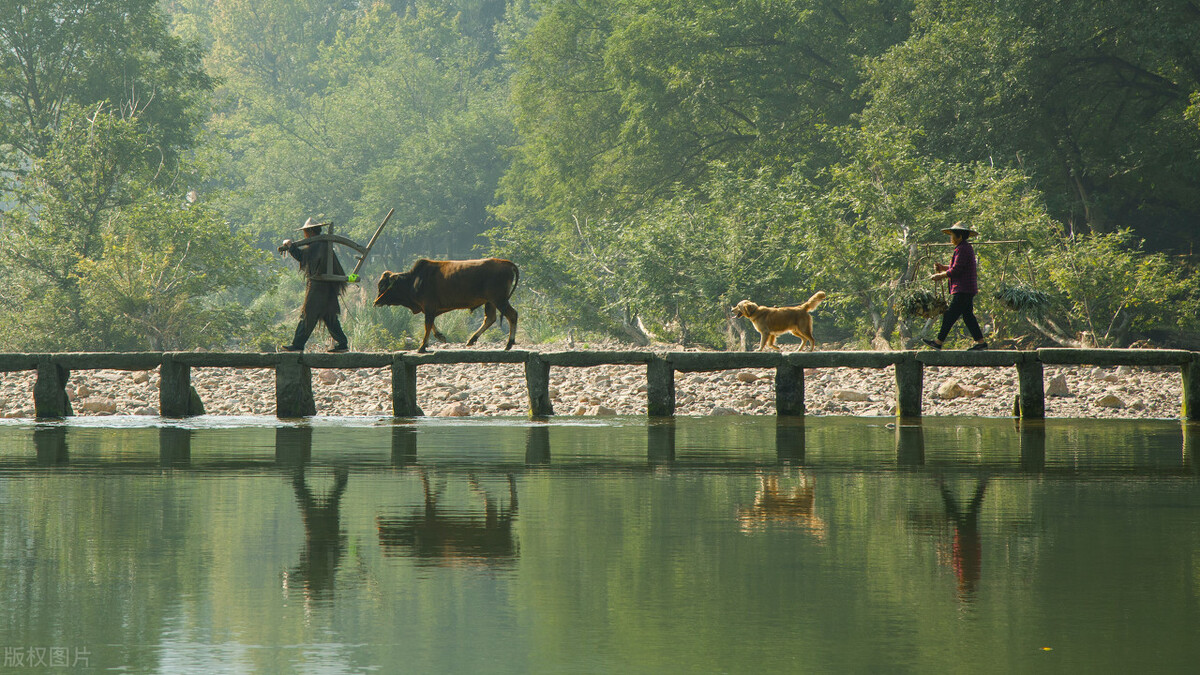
[294,396]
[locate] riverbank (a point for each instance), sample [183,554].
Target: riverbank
[499,389]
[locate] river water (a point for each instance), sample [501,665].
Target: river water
[702,545]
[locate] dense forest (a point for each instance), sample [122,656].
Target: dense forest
[646,163]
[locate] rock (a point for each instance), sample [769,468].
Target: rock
[83,391]
[973,392]
[141,377]
[459,409]
[580,411]
[722,410]
[98,405]
[1057,386]
[507,405]
[1110,401]
[603,410]
[849,395]
[145,410]
[328,377]
[950,389]
[747,377]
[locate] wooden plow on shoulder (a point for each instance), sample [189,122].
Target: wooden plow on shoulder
[363,251]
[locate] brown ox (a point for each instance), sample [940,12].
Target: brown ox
[439,286]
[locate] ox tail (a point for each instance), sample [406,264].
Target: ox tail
[516,280]
[813,301]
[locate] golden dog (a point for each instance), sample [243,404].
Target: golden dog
[774,321]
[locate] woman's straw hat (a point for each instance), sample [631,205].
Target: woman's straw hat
[961,229]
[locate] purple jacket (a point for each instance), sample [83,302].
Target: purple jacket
[963,269]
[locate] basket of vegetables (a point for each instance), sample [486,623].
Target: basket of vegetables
[922,303]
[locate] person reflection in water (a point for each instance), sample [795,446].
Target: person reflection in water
[323,537]
[968,544]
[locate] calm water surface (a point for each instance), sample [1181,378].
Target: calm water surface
[739,545]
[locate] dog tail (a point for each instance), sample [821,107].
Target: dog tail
[813,301]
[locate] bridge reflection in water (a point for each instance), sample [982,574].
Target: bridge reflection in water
[465,511]
[479,530]
[1041,445]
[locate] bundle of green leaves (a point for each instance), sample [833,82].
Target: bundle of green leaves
[920,302]
[1023,299]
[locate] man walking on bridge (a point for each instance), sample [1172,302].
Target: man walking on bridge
[320,295]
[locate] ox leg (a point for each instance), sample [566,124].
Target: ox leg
[428,329]
[510,314]
[489,318]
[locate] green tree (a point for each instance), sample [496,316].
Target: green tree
[167,273]
[99,255]
[55,54]
[405,110]
[1088,99]
[1107,292]
[874,225]
[619,102]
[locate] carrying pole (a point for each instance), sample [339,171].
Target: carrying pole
[353,276]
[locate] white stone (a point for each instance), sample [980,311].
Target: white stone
[455,410]
[1057,386]
[603,410]
[973,392]
[141,377]
[950,389]
[849,395]
[1110,401]
[98,405]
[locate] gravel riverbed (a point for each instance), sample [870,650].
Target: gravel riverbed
[499,389]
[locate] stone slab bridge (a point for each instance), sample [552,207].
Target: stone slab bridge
[294,396]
